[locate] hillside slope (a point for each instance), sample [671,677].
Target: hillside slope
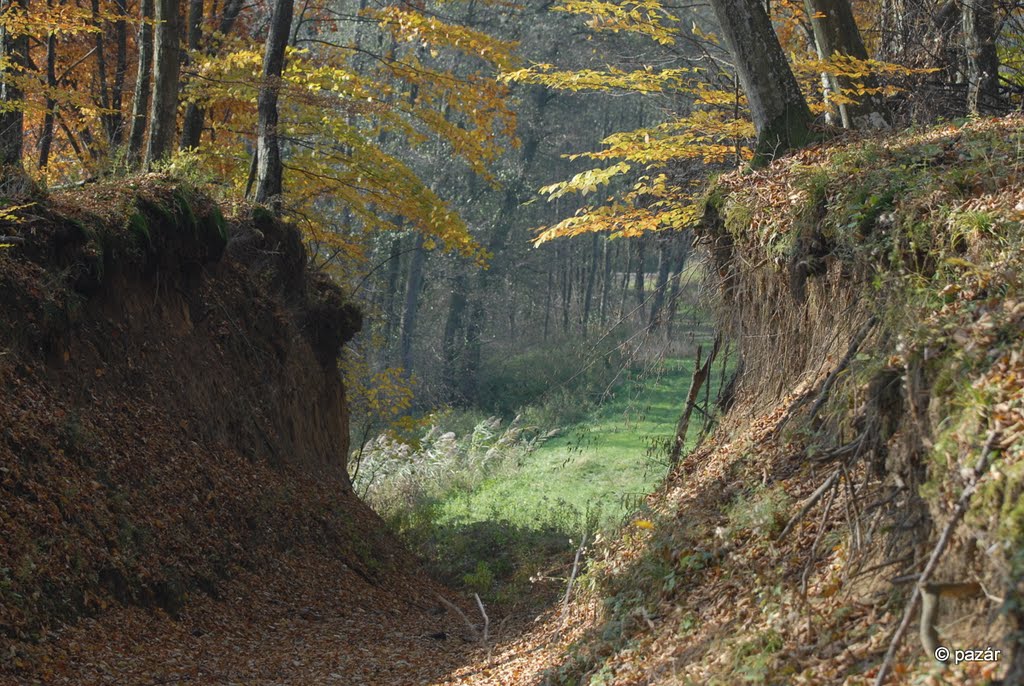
[876,291]
[173,437]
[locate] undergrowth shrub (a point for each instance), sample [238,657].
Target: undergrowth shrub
[408,483]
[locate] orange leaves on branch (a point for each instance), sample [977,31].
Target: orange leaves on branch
[413,26]
[339,108]
[620,220]
[354,124]
[61,20]
[645,17]
[640,81]
[644,198]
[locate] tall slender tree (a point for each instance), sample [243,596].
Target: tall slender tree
[120,73]
[140,101]
[166,73]
[13,49]
[195,114]
[410,311]
[978,18]
[269,169]
[193,35]
[836,33]
[50,105]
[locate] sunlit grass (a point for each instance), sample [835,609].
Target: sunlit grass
[602,467]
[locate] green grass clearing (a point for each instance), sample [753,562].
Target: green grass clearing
[602,466]
[492,507]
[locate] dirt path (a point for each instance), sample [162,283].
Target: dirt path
[312,622]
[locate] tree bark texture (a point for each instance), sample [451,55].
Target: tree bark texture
[191,125]
[777,106]
[46,133]
[120,74]
[99,49]
[979,31]
[166,72]
[140,101]
[269,169]
[836,32]
[12,121]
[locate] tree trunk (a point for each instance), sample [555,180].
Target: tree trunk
[836,33]
[566,262]
[192,123]
[46,133]
[140,101]
[454,342]
[979,27]
[106,119]
[166,70]
[547,304]
[410,312]
[12,119]
[657,305]
[120,73]
[777,106]
[588,293]
[606,280]
[510,292]
[638,285]
[624,287]
[682,253]
[391,291]
[269,169]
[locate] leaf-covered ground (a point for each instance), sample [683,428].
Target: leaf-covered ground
[308,621]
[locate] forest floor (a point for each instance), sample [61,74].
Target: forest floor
[311,619]
[310,623]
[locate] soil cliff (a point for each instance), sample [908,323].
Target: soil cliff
[172,418]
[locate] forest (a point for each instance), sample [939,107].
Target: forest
[508,342]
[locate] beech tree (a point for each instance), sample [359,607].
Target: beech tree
[195,112]
[777,105]
[978,18]
[14,56]
[166,73]
[836,34]
[46,133]
[140,101]
[268,147]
